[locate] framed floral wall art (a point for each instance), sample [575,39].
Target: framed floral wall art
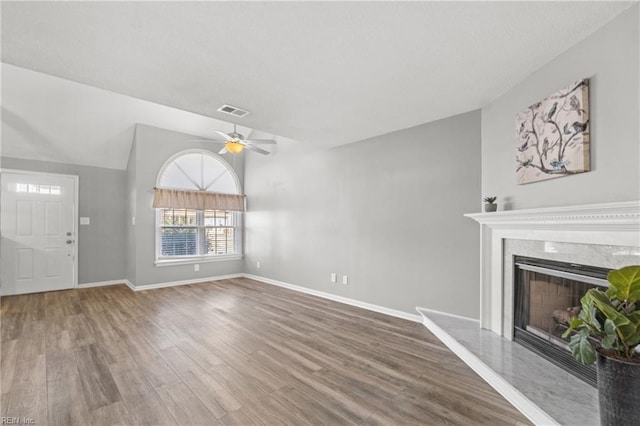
[552,136]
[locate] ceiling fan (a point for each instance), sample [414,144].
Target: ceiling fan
[234,142]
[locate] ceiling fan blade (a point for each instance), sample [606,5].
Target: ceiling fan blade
[204,140]
[261,141]
[224,135]
[223,151]
[256,149]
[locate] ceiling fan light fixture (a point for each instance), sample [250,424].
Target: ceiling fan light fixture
[234,147]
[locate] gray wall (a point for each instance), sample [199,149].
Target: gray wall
[387,214]
[609,57]
[153,147]
[101,251]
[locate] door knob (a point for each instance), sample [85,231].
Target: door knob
[69,241]
[68,234]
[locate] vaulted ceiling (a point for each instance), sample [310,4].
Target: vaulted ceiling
[326,73]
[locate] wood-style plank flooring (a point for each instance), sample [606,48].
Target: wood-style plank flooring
[234,352]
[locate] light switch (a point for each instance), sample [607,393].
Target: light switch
[84,221]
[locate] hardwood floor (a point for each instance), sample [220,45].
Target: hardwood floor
[234,352]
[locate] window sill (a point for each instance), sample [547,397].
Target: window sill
[192,260]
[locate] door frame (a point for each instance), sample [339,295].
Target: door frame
[76,214]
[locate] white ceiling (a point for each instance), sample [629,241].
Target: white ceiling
[48,118]
[323,72]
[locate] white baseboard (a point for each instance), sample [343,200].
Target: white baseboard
[420,310]
[181,282]
[131,286]
[504,388]
[341,299]
[102,283]
[335,298]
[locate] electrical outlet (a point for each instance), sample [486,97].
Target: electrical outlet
[345,280]
[258,264]
[334,277]
[196,267]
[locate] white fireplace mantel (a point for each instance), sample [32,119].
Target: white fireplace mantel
[616,224]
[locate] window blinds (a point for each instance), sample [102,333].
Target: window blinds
[198,200]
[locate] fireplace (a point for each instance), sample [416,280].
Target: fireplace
[607,235]
[604,235]
[546,296]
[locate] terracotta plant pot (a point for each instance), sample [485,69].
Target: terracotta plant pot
[490,207]
[618,385]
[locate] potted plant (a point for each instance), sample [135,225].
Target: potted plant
[490,205]
[607,330]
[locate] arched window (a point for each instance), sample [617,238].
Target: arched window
[198,170]
[199,209]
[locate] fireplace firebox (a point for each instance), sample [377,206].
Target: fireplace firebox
[546,296]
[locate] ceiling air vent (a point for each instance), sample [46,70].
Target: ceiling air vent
[231,110]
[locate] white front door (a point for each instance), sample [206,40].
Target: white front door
[38,232]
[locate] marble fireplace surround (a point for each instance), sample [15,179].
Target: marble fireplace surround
[606,235]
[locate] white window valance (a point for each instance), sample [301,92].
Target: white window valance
[198,200]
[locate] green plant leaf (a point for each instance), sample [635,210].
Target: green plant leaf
[626,330]
[626,282]
[588,312]
[610,334]
[632,340]
[609,327]
[574,324]
[581,348]
[634,317]
[608,342]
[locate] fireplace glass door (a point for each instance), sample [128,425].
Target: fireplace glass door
[547,296]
